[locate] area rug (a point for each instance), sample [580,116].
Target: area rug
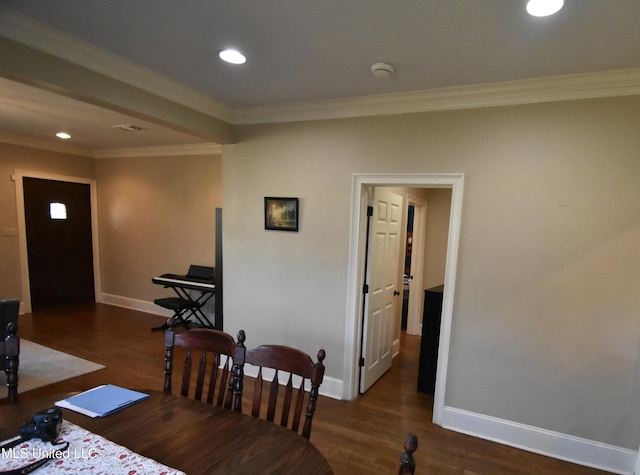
[40,366]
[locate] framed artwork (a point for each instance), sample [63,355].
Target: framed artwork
[281,214]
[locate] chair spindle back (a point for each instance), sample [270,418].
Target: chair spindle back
[288,399]
[212,352]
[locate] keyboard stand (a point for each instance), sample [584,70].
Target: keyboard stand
[180,307]
[185,305]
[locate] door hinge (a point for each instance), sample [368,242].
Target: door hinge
[365,289]
[369,210]
[361,362]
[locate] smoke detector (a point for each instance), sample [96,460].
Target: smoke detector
[382,70]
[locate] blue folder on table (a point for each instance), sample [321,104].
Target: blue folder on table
[102,400]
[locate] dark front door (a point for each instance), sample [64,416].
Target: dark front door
[59,242]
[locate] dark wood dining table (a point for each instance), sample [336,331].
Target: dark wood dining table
[188,435]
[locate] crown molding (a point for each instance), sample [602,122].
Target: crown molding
[124,152]
[49,40]
[528,91]
[160,151]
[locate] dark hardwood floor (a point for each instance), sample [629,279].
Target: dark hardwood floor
[357,437]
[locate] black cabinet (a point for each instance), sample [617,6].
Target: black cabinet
[431,317]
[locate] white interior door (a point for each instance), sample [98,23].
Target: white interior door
[383,261]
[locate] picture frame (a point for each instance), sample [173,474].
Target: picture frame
[281,214]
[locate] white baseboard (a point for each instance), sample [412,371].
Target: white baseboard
[331,387]
[133,304]
[533,439]
[395,351]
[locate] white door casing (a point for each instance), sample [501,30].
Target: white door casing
[17,178]
[355,273]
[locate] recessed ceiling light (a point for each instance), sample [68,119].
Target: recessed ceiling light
[232,56]
[544,7]
[63,135]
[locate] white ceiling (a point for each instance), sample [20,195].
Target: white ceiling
[321,50]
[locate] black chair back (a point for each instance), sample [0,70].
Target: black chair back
[10,345]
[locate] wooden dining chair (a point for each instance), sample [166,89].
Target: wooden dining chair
[407,465]
[11,361]
[10,345]
[213,352]
[299,371]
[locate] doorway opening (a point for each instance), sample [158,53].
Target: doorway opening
[356,277]
[409,309]
[413,283]
[406,275]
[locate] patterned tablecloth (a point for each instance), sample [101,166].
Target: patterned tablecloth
[87,453]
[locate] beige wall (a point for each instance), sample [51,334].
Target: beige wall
[545,320]
[435,257]
[16,157]
[157,215]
